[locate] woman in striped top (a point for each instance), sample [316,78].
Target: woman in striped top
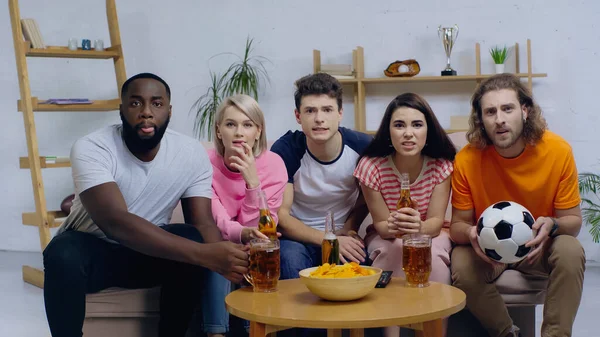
[409,140]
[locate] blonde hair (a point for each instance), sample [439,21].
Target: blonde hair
[249,106]
[533,127]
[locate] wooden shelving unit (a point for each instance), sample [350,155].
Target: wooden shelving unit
[55,218]
[42,217]
[64,52]
[360,81]
[44,163]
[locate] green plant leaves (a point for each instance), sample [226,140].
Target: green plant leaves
[206,106]
[245,76]
[590,183]
[499,54]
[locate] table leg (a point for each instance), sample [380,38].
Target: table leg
[357,332]
[257,329]
[431,329]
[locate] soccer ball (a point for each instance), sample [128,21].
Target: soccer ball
[502,231]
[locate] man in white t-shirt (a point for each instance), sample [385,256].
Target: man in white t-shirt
[320,161]
[128,179]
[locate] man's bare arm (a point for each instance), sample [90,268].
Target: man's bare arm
[351,244]
[357,215]
[436,210]
[569,221]
[462,221]
[293,228]
[197,212]
[108,210]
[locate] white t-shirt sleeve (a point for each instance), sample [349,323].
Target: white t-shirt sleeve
[91,164]
[201,185]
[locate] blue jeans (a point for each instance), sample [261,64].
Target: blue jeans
[215,316]
[296,256]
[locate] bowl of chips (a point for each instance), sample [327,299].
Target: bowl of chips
[346,282]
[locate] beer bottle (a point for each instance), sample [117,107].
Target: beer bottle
[405,200]
[266,223]
[330,248]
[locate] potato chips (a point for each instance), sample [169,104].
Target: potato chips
[346,270]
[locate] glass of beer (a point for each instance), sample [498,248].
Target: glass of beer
[263,272]
[416,259]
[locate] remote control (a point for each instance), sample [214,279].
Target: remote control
[386,277]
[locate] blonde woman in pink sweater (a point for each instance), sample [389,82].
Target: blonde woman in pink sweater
[242,167]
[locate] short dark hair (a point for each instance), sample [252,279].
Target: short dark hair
[125,86]
[318,84]
[438,144]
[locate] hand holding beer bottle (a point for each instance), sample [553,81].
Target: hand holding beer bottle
[266,223]
[267,228]
[406,219]
[416,247]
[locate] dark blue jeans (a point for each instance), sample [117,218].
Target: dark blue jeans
[296,256]
[78,263]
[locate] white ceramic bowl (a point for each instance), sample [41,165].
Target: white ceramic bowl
[340,289]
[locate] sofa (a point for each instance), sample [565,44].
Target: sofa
[134,312]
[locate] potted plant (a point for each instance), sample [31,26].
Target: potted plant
[499,55]
[589,183]
[206,106]
[245,76]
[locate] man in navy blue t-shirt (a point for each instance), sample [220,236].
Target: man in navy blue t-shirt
[320,161]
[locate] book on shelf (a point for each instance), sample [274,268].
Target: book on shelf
[64,101]
[31,32]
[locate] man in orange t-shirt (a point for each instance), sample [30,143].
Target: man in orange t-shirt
[512,156]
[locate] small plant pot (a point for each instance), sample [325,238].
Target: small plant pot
[500,68]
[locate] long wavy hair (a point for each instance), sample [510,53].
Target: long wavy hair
[438,144]
[534,126]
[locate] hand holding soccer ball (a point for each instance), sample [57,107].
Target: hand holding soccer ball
[503,229]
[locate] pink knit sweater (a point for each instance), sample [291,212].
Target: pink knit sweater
[233,205]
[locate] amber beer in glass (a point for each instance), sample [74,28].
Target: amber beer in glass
[266,223]
[416,259]
[263,272]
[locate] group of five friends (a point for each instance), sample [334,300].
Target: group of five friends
[129,178]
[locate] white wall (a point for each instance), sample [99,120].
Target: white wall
[177,40]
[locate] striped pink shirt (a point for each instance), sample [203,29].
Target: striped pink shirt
[380,174]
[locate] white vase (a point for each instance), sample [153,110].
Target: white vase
[500,68]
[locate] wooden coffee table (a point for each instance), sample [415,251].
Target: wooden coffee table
[421,309]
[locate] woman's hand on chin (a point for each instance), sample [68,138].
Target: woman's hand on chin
[244,163]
